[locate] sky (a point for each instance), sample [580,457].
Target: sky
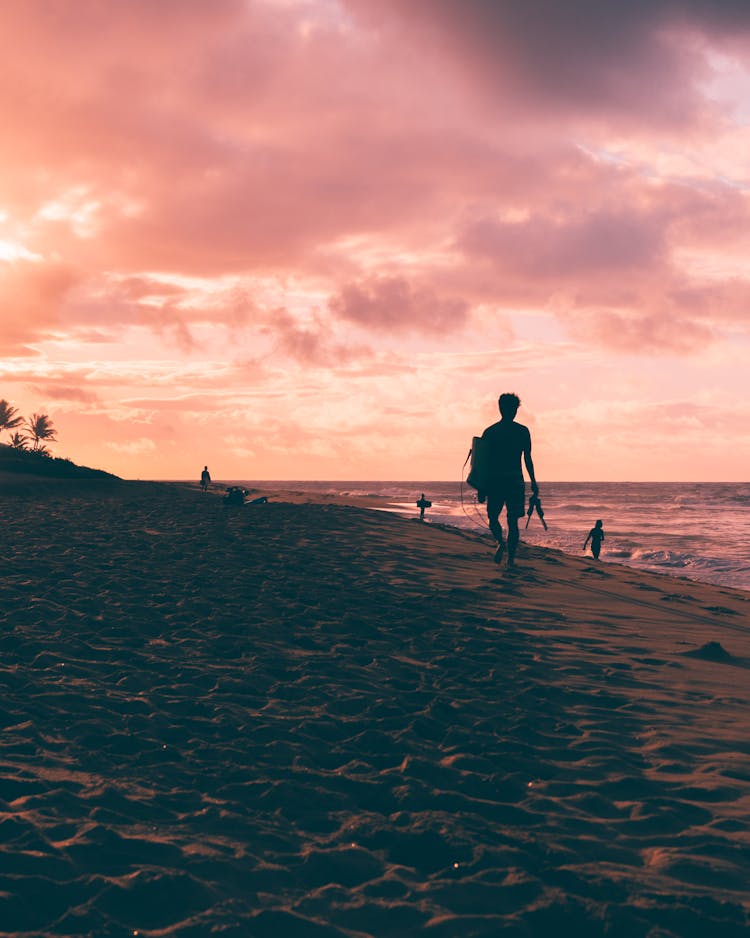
[316,239]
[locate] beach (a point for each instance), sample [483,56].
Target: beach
[695,530]
[310,718]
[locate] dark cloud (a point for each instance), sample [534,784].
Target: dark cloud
[597,57]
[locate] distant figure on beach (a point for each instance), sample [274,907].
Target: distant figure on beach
[421,505]
[596,535]
[503,444]
[205,479]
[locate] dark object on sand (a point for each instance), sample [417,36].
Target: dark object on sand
[711,651]
[235,495]
[261,500]
[535,504]
[423,503]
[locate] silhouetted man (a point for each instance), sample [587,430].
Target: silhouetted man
[422,504]
[205,479]
[504,444]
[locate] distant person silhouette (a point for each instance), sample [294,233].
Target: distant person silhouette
[596,535]
[205,479]
[504,443]
[423,503]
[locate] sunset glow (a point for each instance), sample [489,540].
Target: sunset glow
[315,239]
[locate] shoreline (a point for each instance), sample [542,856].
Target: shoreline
[408,512]
[308,717]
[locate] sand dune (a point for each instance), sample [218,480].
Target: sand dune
[309,719]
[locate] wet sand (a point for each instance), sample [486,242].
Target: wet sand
[312,719]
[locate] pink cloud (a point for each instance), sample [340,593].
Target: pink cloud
[221,195]
[393,303]
[650,331]
[314,342]
[588,243]
[31,294]
[53,390]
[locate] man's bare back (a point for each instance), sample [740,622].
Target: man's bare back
[507,441]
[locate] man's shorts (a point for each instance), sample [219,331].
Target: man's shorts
[512,494]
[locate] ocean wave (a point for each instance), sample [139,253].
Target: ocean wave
[360,493]
[664,558]
[575,506]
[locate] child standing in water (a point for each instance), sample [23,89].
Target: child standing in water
[596,535]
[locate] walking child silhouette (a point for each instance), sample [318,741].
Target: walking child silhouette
[596,536]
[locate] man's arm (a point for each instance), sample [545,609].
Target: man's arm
[530,463]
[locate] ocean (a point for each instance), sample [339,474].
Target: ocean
[698,530]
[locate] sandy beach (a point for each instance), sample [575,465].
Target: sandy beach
[307,718]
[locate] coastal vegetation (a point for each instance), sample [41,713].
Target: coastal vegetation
[28,452]
[38,428]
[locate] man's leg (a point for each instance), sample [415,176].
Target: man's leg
[516,503]
[494,507]
[512,538]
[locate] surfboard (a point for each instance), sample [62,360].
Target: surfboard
[479,468]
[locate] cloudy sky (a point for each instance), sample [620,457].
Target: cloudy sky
[317,238]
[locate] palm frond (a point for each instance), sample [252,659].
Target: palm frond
[40,427]
[9,416]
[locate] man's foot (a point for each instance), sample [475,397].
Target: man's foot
[498,558]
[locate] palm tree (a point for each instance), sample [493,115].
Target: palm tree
[40,427]
[9,417]
[18,440]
